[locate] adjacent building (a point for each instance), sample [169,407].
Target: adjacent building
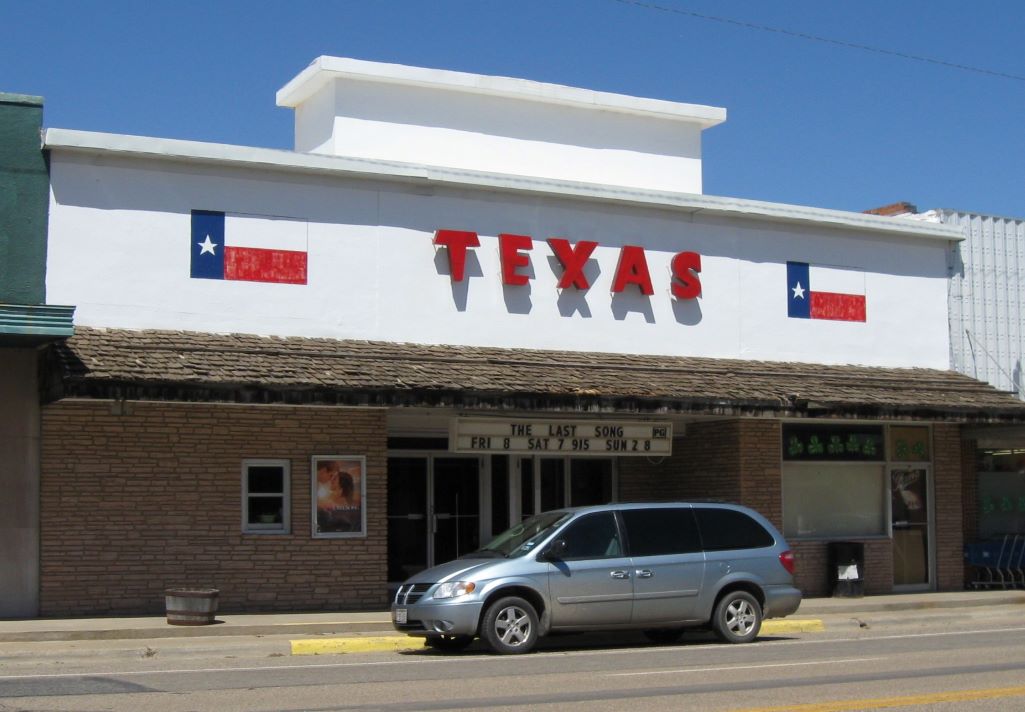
[986,302]
[27,323]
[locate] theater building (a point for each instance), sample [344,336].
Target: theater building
[302,376]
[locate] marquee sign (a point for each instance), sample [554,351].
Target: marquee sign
[574,437]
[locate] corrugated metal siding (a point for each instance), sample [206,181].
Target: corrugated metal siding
[987,299]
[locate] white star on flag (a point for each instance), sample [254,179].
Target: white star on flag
[207,246]
[798,290]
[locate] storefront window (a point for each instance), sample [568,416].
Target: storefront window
[1001,492]
[265,497]
[834,500]
[834,481]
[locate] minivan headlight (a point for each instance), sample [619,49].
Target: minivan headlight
[454,588]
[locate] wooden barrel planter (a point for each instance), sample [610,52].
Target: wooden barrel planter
[191,606]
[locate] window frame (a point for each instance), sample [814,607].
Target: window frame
[285,527]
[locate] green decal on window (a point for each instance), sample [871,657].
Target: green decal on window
[815,446]
[835,446]
[795,447]
[901,449]
[807,441]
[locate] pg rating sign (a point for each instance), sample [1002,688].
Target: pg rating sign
[574,437]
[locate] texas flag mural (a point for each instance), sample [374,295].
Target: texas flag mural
[821,292]
[248,248]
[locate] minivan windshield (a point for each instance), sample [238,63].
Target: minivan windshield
[520,539]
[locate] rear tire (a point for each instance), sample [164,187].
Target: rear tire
[448,643]
[510,626]
[737,618]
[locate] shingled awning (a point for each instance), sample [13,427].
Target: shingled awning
[186,366]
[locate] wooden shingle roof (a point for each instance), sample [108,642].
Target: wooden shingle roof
[169,365]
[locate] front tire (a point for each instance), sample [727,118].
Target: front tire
[737,618]
[510,626]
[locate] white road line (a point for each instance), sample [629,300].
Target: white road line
[726,668]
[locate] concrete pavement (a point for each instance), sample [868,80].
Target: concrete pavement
[378,624]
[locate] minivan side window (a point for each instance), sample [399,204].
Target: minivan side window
[593,536]
[723,529]
[654,532]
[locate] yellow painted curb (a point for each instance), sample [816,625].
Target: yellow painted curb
[385,643]
[368,644]
[793,625]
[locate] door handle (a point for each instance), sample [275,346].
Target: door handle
[619,574]
[644,573]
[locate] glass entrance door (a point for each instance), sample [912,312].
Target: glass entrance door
[546,483]
[909,509]
[456,507]
[407,517]
[433,511]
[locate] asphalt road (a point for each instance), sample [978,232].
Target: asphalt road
[935,661]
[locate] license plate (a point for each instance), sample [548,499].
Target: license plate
[400,615]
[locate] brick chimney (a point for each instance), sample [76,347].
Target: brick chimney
[901,208]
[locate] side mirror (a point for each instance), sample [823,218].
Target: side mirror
[555,551]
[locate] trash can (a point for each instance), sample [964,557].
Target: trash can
[847,568]
[191,606]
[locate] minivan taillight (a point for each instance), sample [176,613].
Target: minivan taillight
[787,559]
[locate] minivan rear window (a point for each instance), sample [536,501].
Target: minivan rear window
[723,529]
[655,532]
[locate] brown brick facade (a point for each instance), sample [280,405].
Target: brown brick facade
[136,503]
[813,576]
[146,496]
[970,497]
[731,460]
[948,503]
[704,464]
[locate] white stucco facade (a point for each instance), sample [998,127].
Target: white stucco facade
[121,210]
[120,249]
[347,107]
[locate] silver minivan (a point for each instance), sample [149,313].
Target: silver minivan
[659,568]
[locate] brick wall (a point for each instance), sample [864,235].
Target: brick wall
[948,506]
[761,472]
[732,460]
[705,464]
[150,499]
[813,577]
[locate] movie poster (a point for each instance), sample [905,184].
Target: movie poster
[339,488]
[908,496]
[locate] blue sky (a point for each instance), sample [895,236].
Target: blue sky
[810,122]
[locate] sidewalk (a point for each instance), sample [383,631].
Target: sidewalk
[378,622]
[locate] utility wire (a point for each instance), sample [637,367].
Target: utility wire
[824,40]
